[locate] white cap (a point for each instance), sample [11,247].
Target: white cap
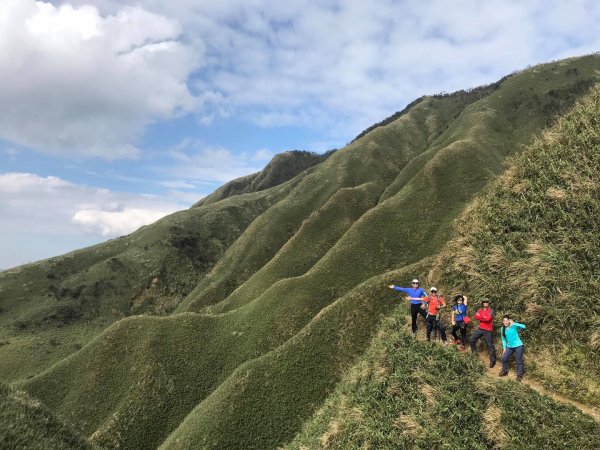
[432,288]
[415,281]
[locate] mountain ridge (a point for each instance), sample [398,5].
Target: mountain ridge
[250,326]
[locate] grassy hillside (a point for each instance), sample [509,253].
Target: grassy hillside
[171,364]
[427,165]
[282,388]
[283,167]
[298,285]
[532,245]
[409,394]
[27,424]
[52,308]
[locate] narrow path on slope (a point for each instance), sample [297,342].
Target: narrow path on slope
[483,356]
[493,372]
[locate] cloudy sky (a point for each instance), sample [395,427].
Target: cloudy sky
[115,113]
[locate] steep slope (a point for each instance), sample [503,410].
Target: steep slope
[532,245]
[409,394]
[279,390]
[26,423]
[400,187]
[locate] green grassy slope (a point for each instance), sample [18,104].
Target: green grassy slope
[463,144]
[532,245]
[408,394]
[282,387]
[27,424]
[150,384]
[51,308]
[373,160]
[283,167]
[318,233]
[388,200]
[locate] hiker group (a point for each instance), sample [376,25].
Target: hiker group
[429,307]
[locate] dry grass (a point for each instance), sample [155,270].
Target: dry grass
[431,394]
[332,431]
[493,428]
[408,425]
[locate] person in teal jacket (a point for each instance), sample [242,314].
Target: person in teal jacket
[511,342]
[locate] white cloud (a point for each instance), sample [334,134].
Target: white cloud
[15,183]
[11,152]
[75,82]
[343,65]
[199,163]
[104,222]
[177,184]
[33,204]
[338,66]
[262,155]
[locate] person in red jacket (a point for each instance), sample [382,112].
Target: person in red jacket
[486,325]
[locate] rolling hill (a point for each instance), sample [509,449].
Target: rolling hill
[229,324]
[26,423]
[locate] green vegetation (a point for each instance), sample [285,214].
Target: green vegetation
[409,394]
[52,308]
[281,389]
[283,167]
[254,305]
[531,243]
[26,423]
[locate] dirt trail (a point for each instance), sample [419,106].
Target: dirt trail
[493,372]
[512,375]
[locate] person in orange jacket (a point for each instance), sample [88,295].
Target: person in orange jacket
[486,325]
[434,303]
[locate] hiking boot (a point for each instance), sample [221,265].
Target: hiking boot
[503,373]
[414,335]
[462,348]
[519,378]
[492,364]
[457,341]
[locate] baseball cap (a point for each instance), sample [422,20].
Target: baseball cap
[433,289]
[415,281]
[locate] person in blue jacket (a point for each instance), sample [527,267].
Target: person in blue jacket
[511,342]
[459,312]
[415,295]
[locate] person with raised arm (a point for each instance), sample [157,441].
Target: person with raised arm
[460,320]
[415,295]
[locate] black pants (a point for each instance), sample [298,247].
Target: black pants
[433,322]
[460,325]
[414,311]
[489,340]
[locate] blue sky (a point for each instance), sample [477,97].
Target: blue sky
[116,113]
